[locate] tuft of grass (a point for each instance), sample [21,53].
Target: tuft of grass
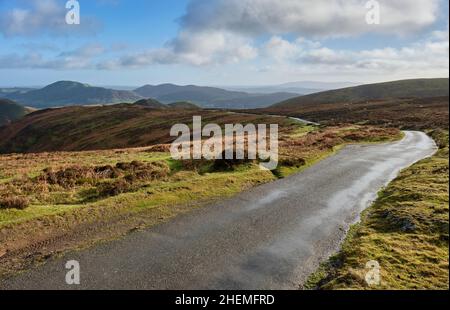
[406,231]
[14,202]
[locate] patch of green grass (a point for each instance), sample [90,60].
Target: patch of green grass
[303,130]
[185,187]
[406,231]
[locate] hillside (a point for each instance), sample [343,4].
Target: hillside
[418,88]
[151,104]
[10,111]
[66,93]
[187,105]
[417,114]
[106,127]
[211,97]
[250,101]
[170,93]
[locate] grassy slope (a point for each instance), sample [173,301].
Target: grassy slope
[406,231]
[418,88]
[10,111]
[418,113]
[108,127]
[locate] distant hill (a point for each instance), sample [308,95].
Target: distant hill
[301,88]
[251,101]
[211,97]
[186,105]
[418,88]
[79,128]
[404,113]
[409,104]
[10,111]
[168,93]
[151,104]
[66,93]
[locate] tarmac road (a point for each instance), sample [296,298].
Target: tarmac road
[270,237]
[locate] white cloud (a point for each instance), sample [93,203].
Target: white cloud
[307,17]
[208,47]
[225,31]
[80,58]
[214,32]
[40,17]
[198,49]
[281,49]
[424,58]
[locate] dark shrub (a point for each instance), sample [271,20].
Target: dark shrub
[114,188]
[107,172]
[230,164]
[14,202]
[293,162]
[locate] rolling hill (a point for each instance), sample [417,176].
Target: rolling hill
[151,104]
[418,88]
[66,93]
[408,104]
[187,105]
[79,128]
[211,97]
[10,111]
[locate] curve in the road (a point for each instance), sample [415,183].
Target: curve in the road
[270,237]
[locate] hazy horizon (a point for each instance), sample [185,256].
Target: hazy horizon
[230,86]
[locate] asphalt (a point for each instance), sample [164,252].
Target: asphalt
[270,237]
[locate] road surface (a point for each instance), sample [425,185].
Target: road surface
[271,237]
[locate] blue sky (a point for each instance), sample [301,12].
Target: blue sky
[221,42]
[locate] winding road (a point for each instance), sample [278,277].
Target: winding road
[270,237]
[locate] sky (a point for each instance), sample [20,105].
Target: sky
[222,42]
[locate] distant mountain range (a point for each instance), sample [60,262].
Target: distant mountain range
[415,88]
[67,93]
[302,87]
[211,97]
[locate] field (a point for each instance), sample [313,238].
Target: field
[53,202]
[406,231]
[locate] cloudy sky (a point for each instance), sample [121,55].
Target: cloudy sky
[221,42]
